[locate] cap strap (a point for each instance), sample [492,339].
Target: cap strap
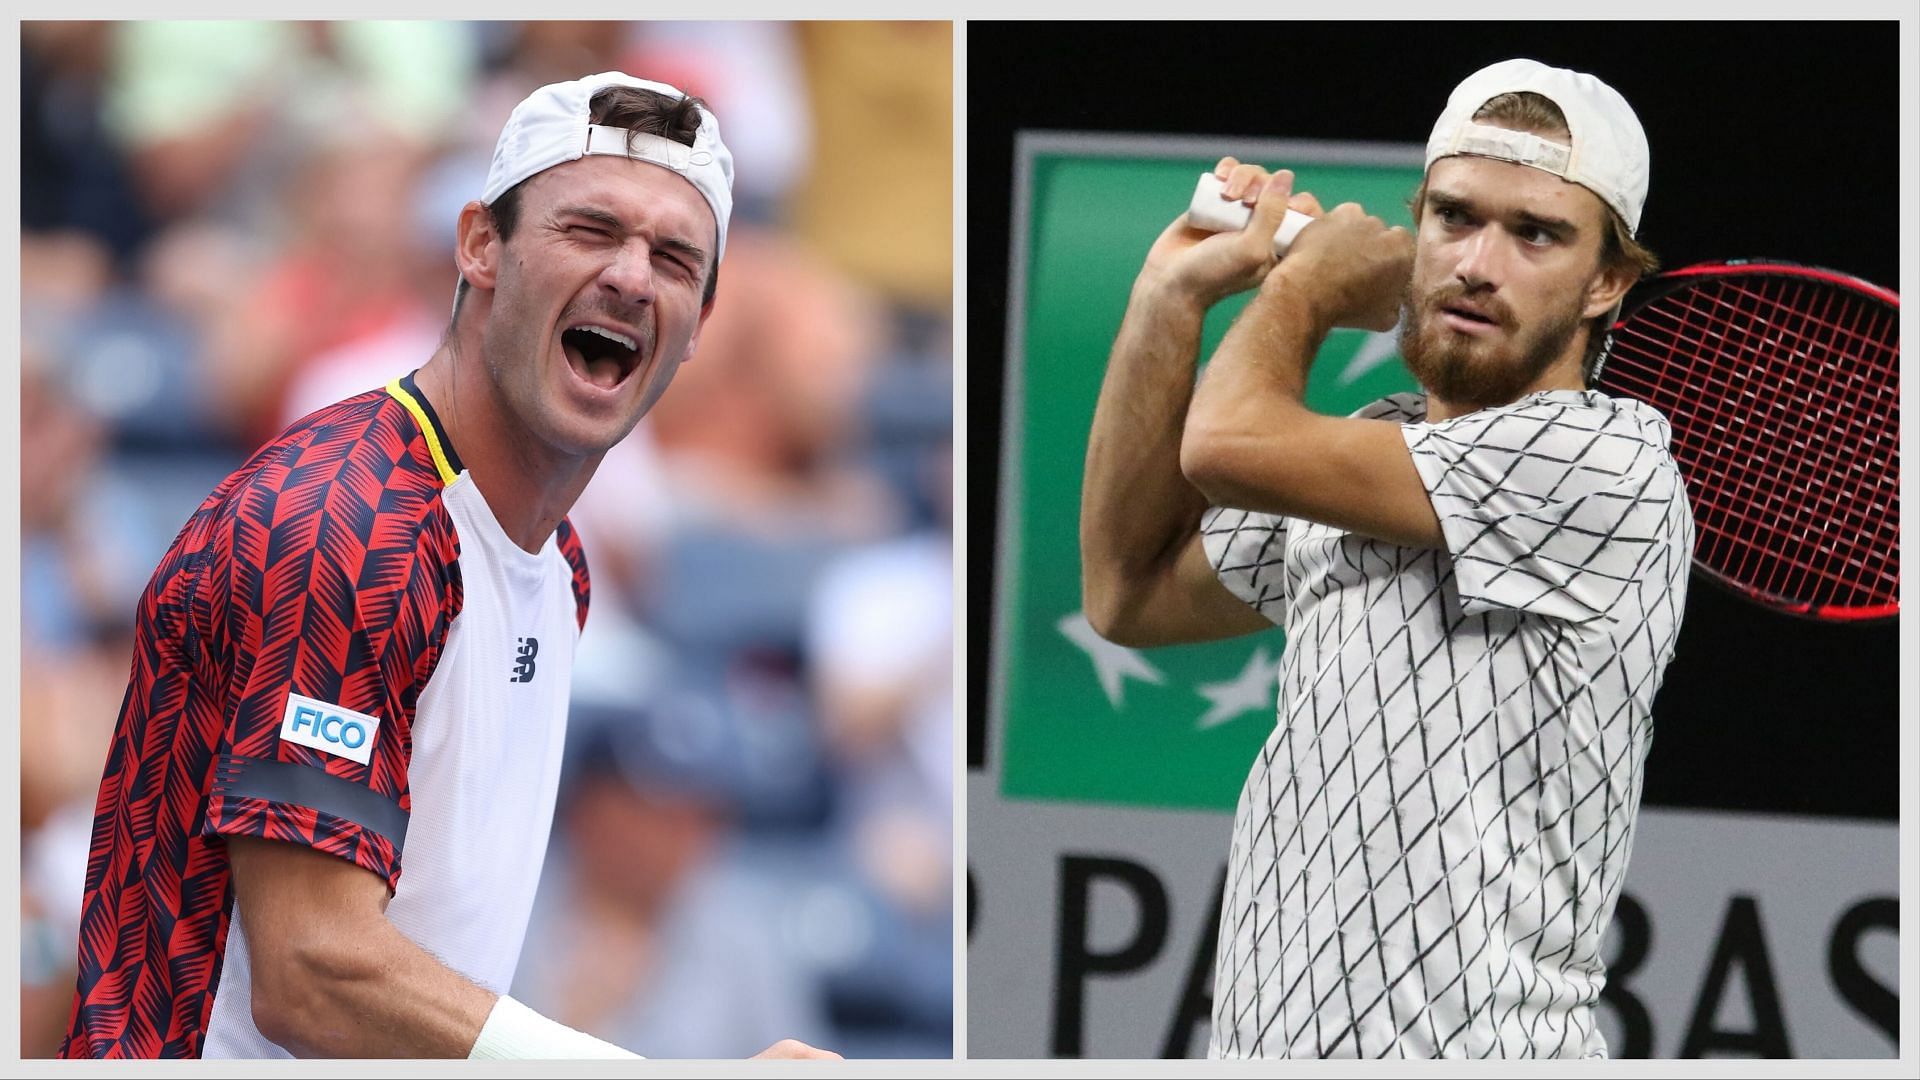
[1521,147]
[640,146]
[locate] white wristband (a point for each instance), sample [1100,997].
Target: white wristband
[514,1031]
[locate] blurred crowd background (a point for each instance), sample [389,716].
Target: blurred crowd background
[228,225]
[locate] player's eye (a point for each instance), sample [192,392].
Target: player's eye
[680,264]
[1537,235]
[1451,215]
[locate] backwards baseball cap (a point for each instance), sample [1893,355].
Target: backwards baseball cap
[554,126]
[1608,155]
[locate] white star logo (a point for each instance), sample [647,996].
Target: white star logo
[1114,664]
[1253,688]
[1377,349]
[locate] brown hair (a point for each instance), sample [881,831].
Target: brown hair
[1525,110]
[641,112]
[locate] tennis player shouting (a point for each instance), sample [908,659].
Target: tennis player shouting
[1480,585]
[355,657]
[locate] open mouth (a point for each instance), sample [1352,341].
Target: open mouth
[600,356]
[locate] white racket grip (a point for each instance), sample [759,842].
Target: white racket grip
[1214,214]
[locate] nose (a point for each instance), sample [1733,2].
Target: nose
[1482,259]
[630,275]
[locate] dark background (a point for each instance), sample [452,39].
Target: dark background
[1768,139]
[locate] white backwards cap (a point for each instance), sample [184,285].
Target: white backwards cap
[1609,152]
[553,126]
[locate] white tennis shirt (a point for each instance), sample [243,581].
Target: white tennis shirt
[1432,840]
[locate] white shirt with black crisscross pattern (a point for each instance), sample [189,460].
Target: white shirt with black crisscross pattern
[1431,841]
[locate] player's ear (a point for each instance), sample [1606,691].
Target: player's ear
[693,342]
[477,246]
[1616,274]
[1607,287]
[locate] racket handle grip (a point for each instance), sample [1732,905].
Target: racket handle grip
[1212,213]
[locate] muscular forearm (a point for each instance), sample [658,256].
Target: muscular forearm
[1251,442]
[1250,409]
[370,992]
[1136,509]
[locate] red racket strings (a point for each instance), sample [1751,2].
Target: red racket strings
[1783,396]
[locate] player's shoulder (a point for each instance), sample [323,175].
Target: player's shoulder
[1556,444]
[366,465]
[1561,418]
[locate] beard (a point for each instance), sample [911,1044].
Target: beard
[1474,373]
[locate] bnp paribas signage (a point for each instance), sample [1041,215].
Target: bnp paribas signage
[1075,717]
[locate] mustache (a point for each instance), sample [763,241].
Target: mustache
[1491,306]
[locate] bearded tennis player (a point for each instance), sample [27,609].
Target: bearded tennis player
[1480,584]
[327,799]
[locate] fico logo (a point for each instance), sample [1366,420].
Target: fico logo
[328,727]
[351,734]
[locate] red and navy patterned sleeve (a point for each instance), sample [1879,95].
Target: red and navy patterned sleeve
[329,615]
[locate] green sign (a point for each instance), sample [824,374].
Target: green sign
[1076,717]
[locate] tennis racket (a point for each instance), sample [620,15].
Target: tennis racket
[1782,385]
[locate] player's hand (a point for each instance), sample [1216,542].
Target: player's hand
[794,1048]
[1352,266]
[1208,267]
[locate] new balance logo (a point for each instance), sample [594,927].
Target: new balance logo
[523,667]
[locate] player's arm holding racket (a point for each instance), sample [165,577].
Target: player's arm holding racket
[333,977]
[1250,439]
[1145,578]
